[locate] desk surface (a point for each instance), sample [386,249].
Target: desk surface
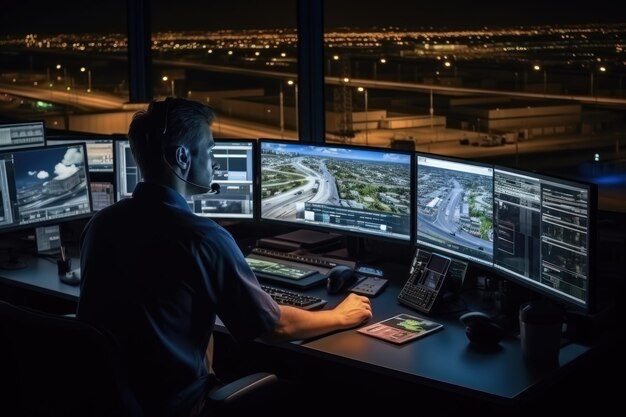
[40,275]
[443,360]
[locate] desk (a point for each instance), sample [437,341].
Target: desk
[40,276]
[443,360]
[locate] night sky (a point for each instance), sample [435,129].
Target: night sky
[72,16]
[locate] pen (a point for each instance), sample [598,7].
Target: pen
[63,253]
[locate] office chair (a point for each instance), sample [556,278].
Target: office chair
[55,365]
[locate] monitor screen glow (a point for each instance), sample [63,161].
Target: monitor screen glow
[455,207]
[346,189]
[22,135]
[43,185]
[235,175]
[99,150]
[544,229]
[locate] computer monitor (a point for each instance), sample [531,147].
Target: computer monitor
[235,175]
[22,135]
[100,161]
[454,200]
[43,185]
[99,149]
[544,234]
[337,188]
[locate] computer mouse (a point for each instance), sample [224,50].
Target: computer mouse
[481,330]
[70,278]
[339,278]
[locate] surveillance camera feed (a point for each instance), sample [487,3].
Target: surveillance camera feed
[455,207]
[341,188]
[43,184]
[543,233]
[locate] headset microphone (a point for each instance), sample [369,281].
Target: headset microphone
[215,188]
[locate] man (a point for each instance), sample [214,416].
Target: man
[155,275]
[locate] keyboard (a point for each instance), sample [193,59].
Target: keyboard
[294,299]
[311,260]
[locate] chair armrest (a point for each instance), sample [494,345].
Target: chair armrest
[242,387]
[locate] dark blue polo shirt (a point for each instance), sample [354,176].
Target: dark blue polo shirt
[156,275]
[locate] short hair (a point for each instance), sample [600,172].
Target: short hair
[168,123]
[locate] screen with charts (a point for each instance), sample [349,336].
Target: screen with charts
[455,207]
[359,191]
[43,185]
[22,135]
[544,229]
[235,176]
[99,150]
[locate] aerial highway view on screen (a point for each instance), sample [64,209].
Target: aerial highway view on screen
[455,207]
[367,190]
[50,183]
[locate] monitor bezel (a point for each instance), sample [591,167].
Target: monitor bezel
[57,221]
[338,230]
[455,254]
[590,303]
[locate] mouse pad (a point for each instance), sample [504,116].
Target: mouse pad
[401,328]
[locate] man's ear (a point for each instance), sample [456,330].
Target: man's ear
[183,158]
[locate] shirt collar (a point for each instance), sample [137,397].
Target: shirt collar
[161,193]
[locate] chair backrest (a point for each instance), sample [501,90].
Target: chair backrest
[60,366]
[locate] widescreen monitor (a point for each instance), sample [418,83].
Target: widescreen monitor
[337,188]
[454,200]
[43,185]
[22,135]
[544,233]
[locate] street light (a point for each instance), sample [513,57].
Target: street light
[295,86]
[601,69]
[165,78]
[545,78]
[83,69]
[282,111]
[364,91]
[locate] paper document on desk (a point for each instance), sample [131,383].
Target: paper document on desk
[401,328]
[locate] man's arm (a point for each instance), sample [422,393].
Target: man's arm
[295,323]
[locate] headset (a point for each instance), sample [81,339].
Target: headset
[182,153]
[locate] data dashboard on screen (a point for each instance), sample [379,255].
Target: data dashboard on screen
[99,150]
[22,135]
[357,191]
[454,200]
[543,233]
[235,175]
[43,185]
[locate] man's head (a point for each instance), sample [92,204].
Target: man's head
[172,141]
